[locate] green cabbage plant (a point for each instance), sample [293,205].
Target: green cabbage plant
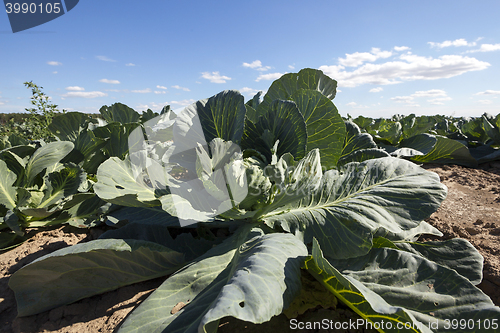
[265,189]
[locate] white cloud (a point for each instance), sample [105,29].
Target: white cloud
[270,76]
[55,72]
[181,88]
[75,88]
[488,92]
[54,63]
[401,48]
[142,91]
[109,81]
[438,94]
[403,99]
[448,43]
[485,101]
[104,58]
[153,106]
[158,92]
[161,87]
[85,94]
[356,105]
[358,58]
[439,101]
[429,93]
[375,90]
[215,77]
[409,68]
[486,48]
[248,91]
[257,65]
[184,102]
[130,64]
[291,67]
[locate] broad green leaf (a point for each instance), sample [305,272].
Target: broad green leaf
[361,155]
[158,233]
[7,189]
[447,151]
[68,126]
[146,215]
[83,270]
[47,156]
[253,282]
[429,291]
[222,116]
[83,214]
[325,127]
[416,125]
[10,239]
[312,79]
[352,203]
[492,131]
[119,183]
[420,144]
[120,113]
[358,297]
[456,253]
[389,131]
[206,275]
[62,184]
[282,122]
[473,129]
[116,135]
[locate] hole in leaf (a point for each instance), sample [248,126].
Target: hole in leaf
[242,304]
[119,187]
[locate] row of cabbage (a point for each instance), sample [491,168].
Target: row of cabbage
[437,139]
[290,186]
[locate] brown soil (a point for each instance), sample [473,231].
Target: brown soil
[471,211]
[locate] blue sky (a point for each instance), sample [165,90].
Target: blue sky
[389,57]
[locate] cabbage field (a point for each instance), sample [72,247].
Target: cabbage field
[238,205]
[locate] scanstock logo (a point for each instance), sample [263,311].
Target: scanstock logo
[195,180]
[26,14]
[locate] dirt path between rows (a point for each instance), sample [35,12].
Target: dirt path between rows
[471,211]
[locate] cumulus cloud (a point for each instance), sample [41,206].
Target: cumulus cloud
[75,88]
[158,92]
[485,101]
[248,91]
[104,58]
[486,48]
[85,94]
[215,77]
[184,102]
[153,106]
[375,90]
[142,91]
[181,88]
[161,87]
[448,43]
[257,65]
[358,58]
[270,76]
[439,96]
[401,48]
[488,92]
[54,63]
[130,64]
[439,101]
[429,93]
[291,67]
[109,81]
[409,67]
